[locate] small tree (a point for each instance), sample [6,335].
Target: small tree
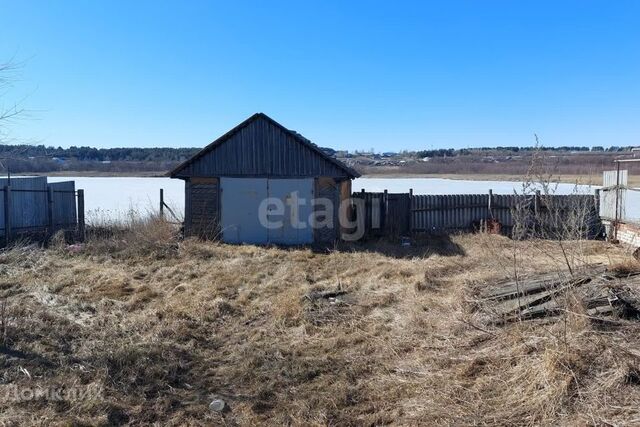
[8,111]
[567,221]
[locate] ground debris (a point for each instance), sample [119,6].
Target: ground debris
[217,405]
[317,295]
[602,292]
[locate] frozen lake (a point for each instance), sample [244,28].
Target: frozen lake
[116,197]
[453,186]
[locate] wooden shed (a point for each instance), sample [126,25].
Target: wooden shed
[261,171]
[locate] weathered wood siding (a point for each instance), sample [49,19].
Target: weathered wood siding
[202,207]
[327,188]
[261,149]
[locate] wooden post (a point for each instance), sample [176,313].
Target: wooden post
[490,204]
[81,215]
[596,212]
[7,215]
[385,200]
[365,213]
[410,210]
[162,203]
[50,210]
[537,221]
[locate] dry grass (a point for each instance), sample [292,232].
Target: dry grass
[166,325]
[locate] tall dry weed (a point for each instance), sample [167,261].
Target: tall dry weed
[150,236]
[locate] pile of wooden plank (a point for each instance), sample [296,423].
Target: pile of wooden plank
[602,293]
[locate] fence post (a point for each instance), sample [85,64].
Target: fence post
[7,215]
[50,210]
[410,211]
[81,215]
[161,203]
[385,200]
[538,222]
[366,216]
[615,221]
[490,204]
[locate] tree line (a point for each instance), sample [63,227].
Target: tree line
[451,152]
[157,154]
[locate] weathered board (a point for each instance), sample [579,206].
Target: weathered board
[202,208]
[36,206]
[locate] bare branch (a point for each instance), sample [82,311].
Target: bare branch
[8,75]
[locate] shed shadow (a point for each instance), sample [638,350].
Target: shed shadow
[423,246]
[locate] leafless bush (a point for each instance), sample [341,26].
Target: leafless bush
[8,111]
[138,235]
[541,221]
[540,214]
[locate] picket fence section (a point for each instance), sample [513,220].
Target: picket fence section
[400,214]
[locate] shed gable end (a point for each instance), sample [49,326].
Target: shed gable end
[261,147]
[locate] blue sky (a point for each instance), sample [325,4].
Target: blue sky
[349,75]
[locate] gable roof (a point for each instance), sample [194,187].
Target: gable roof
[179,171]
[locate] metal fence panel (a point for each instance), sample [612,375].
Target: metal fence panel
[610,178]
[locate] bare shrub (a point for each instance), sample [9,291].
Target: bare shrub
[137,236]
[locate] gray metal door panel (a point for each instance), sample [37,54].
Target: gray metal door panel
[240,202]
[296,197]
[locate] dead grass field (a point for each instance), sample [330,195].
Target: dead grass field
[165,326]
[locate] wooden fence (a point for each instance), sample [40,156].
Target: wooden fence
[398,214]
[32,207]
[386,213]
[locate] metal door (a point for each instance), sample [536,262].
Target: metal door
[240,203]
[295,196]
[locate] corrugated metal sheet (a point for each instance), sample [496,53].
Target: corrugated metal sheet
[261,148]
[610,198]
[631,205]
[610,178]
